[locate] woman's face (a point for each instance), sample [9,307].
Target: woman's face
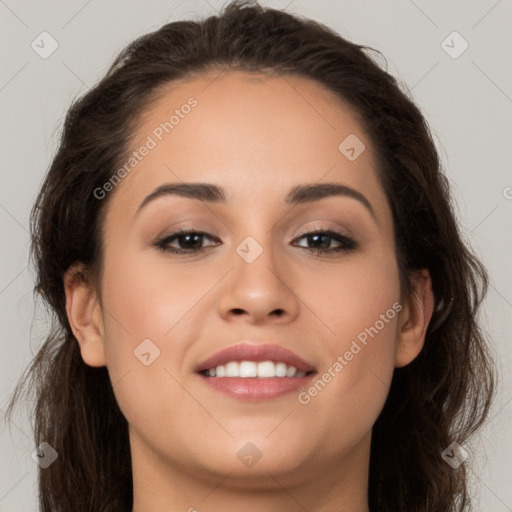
[253,277]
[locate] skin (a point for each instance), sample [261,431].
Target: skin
[257,137]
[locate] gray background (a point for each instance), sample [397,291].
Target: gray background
[467,101]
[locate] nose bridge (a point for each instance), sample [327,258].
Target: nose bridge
[254,236]
[255,262]
[257,286]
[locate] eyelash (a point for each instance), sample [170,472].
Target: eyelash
[347,243]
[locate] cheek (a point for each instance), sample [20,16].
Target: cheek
[359,312]
[356,301]
[347,395]
[142,305]
[146,301]
[150,315]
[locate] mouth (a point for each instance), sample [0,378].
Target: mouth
[255,372]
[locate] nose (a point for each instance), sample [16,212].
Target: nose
[259,291]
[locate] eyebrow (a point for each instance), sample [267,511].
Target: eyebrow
[298,195]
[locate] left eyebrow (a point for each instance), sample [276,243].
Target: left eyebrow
[307,193]
[298,195]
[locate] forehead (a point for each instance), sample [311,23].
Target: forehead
[251,134]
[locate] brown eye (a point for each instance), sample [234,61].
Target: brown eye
[188,241]
[321,241]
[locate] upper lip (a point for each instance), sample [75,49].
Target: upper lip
[244,351]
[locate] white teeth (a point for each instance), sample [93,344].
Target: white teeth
[291,371]
[247,369]
[281,369]
[266,369]
[231,369]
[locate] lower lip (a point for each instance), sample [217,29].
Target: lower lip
[254,389]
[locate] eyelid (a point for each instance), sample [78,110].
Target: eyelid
[314,229]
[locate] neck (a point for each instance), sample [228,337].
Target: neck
[159,485]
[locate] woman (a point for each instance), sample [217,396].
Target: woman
[262,299]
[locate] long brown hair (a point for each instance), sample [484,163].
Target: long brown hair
[442,396]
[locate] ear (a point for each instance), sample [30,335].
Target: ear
[414,319]
[84,315]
